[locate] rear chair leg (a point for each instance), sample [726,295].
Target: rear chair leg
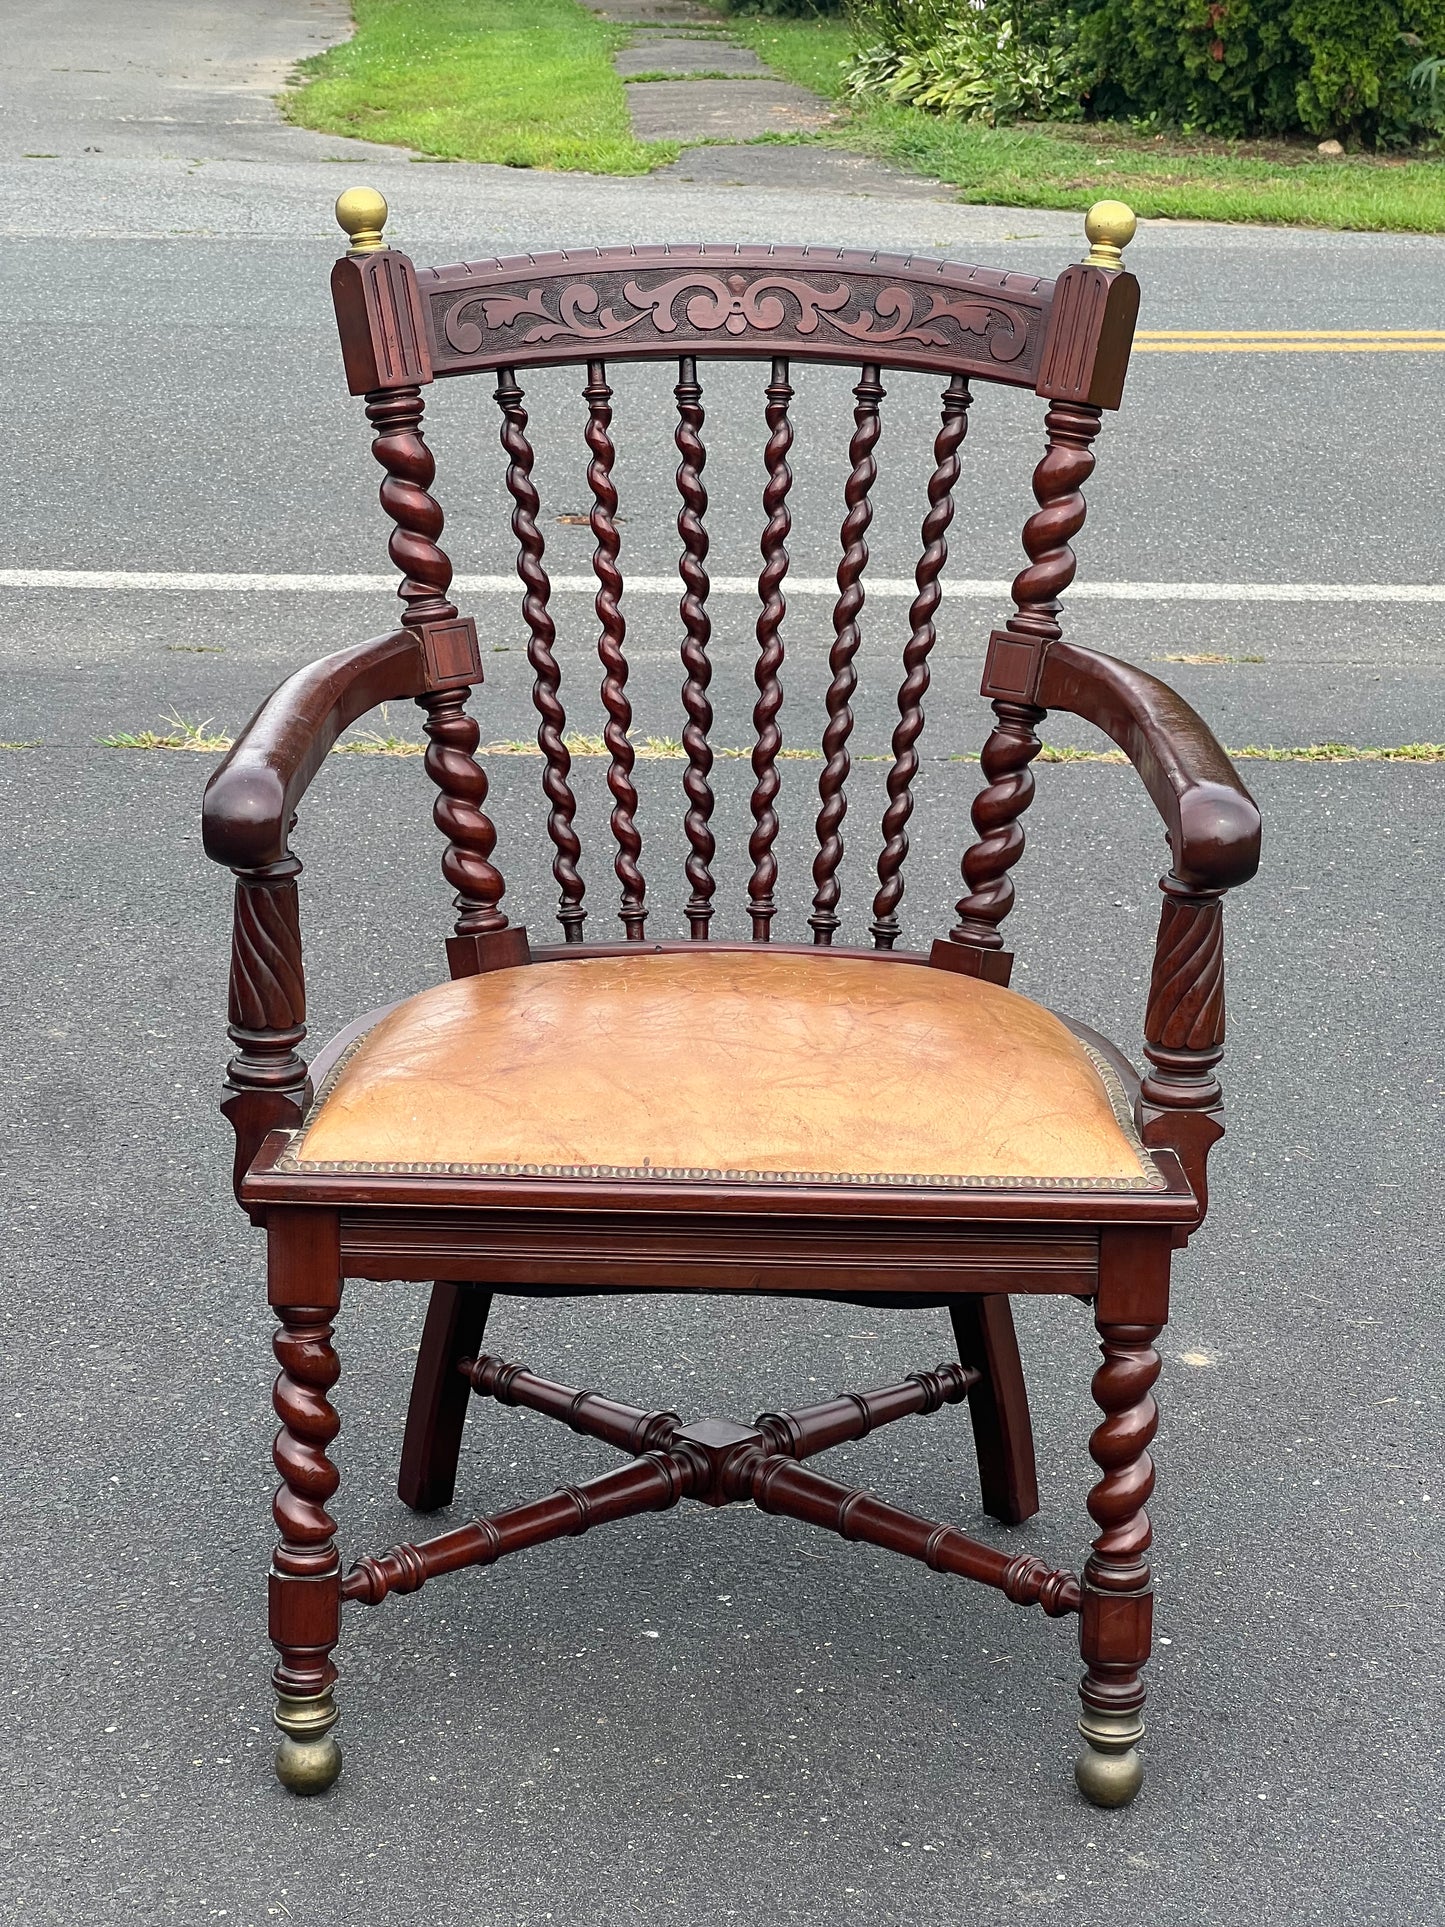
[456,1320]
[998,1405]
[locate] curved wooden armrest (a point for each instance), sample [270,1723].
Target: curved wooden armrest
[251,800]
[246,819]
[1212,820]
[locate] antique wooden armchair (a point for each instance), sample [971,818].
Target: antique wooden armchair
[474,1137]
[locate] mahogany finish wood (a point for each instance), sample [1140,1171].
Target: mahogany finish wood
[718,1462]
[610,641]
[541,640]
[770,652]
[697,633]
[1011,674]
[456,1319]
[728,302]
[863,472]
[469,1236]
[983,1331]
[916,652]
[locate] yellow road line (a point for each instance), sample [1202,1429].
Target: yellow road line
[1292,334]
[1290,341]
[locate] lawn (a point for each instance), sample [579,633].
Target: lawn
[1072,166]
[528,83]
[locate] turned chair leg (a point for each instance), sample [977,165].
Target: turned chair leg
[455,1322]
[305,1576]
[998,1406]
[1116,1609]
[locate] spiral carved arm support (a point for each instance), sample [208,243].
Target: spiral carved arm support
[611,640]
[1180,1102]
[266,1082]
[697,633]
[858,513]
[915,662]
[1016,656]
[766,671]
[1184,1024]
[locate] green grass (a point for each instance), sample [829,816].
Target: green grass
[811,52]
[179,733]
[1071,166]
[528,83]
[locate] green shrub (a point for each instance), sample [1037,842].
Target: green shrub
[991,62]
[1358,59]
[1242,67]
[789,9]
[1371,72]
[1193,64]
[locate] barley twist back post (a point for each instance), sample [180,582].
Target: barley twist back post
[1084,361]
[384,340]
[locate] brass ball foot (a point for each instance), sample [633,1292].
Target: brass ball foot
[1108,1771]
[307,1758]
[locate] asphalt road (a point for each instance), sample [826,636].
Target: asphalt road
[713,1718]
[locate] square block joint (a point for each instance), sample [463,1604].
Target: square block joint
[1012,667]
[1117,1629]
[451,653]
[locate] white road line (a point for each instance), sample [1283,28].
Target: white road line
[195,583]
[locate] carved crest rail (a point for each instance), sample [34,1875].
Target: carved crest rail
[815,303]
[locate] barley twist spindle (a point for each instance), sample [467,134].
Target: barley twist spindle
[858,513]
[697,633]
[611,640]
[541,639]
[761,905]
[922,635]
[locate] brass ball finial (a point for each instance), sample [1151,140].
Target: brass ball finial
[362,212]
[1110,226]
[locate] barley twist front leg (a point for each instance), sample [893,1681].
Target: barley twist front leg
[306,1567]
[1116,1615]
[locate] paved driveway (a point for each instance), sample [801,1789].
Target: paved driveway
[712,1718]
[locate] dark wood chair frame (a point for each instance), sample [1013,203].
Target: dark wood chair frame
[1068,340]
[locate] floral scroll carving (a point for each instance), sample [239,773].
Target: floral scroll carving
[608,308]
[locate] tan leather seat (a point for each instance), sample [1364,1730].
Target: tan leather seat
[726,1064]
